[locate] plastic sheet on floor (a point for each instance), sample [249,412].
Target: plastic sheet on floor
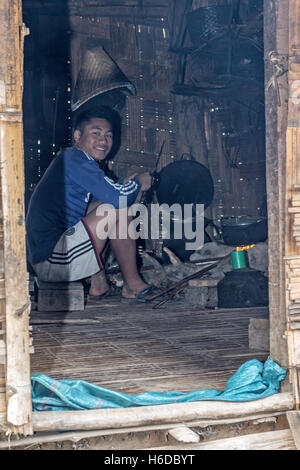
[252,381]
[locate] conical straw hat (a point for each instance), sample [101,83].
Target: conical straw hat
[99,73]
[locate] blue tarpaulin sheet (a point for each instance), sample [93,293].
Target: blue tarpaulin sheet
[252,381]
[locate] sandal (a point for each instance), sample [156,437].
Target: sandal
[111,292]
[143,296]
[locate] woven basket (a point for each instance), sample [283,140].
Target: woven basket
[206,22]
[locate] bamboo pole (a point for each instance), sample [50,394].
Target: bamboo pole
[16,306]
[158,414]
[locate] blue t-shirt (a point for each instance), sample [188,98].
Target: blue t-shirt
[61,198]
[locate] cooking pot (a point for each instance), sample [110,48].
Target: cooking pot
[244,230]
[185,182]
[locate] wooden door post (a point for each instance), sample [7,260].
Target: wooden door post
[276,42]
[14,302]
[292,237]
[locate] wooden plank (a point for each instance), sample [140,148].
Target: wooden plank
[146,415]
[76,436]
[184,434]
[204,282]
[272,440]
[293,418]
[141,14]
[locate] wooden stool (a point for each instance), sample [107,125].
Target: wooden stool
[258,333]
[59,296]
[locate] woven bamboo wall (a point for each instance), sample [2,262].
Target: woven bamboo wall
[47,86]
[223,131]
[138,36]
[138,41]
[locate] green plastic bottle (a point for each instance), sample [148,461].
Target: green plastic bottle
[238,259]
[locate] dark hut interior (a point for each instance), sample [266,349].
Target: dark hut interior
[192,96]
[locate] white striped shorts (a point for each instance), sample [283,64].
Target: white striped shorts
[75,256]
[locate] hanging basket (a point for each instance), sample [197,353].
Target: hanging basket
[206,22]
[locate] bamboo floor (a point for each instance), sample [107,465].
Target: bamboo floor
[135,348]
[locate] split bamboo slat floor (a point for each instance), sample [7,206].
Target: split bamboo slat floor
[135,348]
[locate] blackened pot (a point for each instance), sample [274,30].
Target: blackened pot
[244,230]
[185,182]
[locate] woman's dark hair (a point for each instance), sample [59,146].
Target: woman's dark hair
[102,112]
